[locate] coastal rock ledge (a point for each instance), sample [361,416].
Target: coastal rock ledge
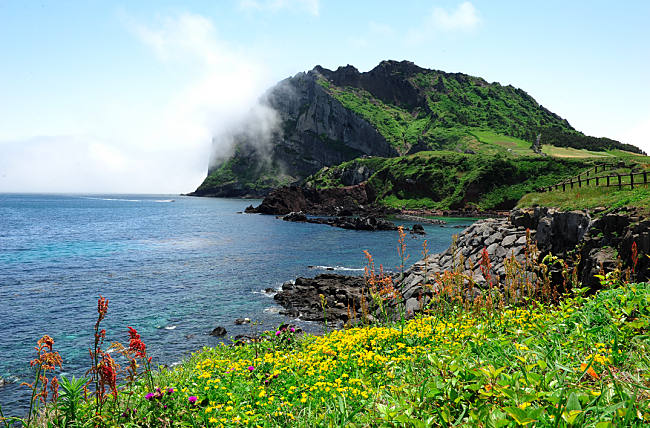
[596,239]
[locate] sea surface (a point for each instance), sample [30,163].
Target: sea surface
[171,267]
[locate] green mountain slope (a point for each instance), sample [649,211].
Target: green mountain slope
[396,109]
[444,180]
[438,109]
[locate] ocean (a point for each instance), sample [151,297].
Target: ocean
[171,267]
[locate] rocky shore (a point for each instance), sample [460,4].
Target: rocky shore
[587,240]
[357,223]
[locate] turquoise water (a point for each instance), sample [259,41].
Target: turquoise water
[172,270]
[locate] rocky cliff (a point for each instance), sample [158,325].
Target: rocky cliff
[316,130]
[327,117]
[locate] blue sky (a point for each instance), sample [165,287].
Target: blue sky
[124,96]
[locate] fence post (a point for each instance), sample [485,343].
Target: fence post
[619,180]
[596,181]
[596,169]
[631,181]
[587,182]
[645,177]
[579,182]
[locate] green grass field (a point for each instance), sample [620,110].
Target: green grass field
[589,198]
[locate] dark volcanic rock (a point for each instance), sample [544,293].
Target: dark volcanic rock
[358,223]
[418,230]
[219,331]
[352,200]
[342,295]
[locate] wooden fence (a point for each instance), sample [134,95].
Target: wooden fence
[606,180]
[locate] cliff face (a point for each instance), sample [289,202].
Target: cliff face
[316,131]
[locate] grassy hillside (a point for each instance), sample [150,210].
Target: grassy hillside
[452,109]
[251,174]
[443,180]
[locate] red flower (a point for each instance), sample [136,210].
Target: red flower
[135,344]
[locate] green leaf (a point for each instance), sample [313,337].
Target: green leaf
[508,392]
[573,403]
[502,422]
[519,415]
[607,424]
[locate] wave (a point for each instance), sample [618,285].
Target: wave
[343,268]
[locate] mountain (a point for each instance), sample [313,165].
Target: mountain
[328,117]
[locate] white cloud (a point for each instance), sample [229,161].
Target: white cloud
[308,6]
[465,18]
[162,148]
[178,37]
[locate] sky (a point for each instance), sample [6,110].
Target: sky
[124,97]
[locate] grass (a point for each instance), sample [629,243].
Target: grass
[589,198]
[440,180]
[517,145]
[536,361]
[569,152]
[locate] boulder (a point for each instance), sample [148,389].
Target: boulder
[218,331]
[418,230]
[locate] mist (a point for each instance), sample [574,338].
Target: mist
[134,147]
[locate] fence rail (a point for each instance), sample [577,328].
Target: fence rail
[619,180]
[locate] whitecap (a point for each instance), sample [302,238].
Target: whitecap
[339,268]
[170,327]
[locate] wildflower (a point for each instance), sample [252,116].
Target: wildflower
[251,368]
[149,396]
[277,333]
[170,391]
[590,370]
[135,344]
[292,330]
[192,400]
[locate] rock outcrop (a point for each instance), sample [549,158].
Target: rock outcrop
[339,201]
[581,238]
[356,223]
[341,297]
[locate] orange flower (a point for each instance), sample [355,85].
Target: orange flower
[590,371]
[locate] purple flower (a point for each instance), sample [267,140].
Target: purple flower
[170,391]
[192,399]
[124,415]
[251,368]
[158,389]
[149,396]
[292,330]
[277,333]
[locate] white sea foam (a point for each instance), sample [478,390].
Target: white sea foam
[343,268]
